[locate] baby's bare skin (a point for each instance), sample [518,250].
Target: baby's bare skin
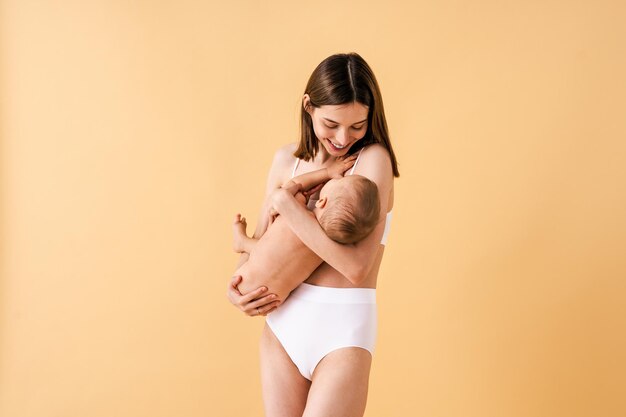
[279,260]
[271,262]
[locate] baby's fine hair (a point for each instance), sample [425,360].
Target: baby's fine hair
[352,215]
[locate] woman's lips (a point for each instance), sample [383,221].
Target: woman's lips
[336,148]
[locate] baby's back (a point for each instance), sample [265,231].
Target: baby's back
[279,261]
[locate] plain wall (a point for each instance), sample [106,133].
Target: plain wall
[132,132]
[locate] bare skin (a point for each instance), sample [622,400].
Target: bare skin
[340,381]
[279,260]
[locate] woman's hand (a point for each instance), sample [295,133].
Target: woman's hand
[254,303]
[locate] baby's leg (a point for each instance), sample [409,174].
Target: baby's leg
[241,241]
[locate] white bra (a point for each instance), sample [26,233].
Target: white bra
[383,241]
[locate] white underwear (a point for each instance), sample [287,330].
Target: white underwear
[313,321]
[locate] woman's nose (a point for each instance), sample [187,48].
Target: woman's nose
[342,137]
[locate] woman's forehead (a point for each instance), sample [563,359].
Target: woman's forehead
[348,113]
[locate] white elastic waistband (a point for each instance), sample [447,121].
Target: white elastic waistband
[335,295]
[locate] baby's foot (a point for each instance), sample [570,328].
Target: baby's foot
[239,233]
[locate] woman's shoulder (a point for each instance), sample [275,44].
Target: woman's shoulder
[282,164]
[376,156]
[284,154]
[375,164]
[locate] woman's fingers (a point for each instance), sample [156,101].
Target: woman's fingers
[258,307]
[252,295]
[254,303]
[235,280]
[233,293]
[261,302]
[262,311]
[267,310]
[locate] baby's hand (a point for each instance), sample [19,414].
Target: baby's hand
[340,166]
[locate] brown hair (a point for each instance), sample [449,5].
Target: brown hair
[342,79]
[353,214]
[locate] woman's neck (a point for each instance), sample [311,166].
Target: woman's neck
[322,156]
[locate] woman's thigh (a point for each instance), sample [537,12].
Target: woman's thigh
[340,382]
[285,390]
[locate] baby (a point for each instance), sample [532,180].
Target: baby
[347,210]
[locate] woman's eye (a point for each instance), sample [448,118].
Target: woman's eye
[335,127]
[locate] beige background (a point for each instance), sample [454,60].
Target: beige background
[131,132]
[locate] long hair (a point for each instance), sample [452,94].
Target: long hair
[342,79]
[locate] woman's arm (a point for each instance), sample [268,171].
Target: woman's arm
[275,179]
[259,299]
[356,260]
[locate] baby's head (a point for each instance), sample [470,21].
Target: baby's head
[348,208]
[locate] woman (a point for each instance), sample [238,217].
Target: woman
[308,365]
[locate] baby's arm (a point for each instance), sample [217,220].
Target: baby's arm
[311,179]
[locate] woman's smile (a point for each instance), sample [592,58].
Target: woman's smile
[336,146]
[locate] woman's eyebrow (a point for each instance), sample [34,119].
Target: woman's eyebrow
[332,121]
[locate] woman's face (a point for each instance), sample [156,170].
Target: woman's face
[338,127]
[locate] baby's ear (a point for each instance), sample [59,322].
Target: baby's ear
[321,202]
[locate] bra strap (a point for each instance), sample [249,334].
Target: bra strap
[356,162]
[293,173]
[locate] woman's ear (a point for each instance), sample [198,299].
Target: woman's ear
[306,103]
[321,203]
